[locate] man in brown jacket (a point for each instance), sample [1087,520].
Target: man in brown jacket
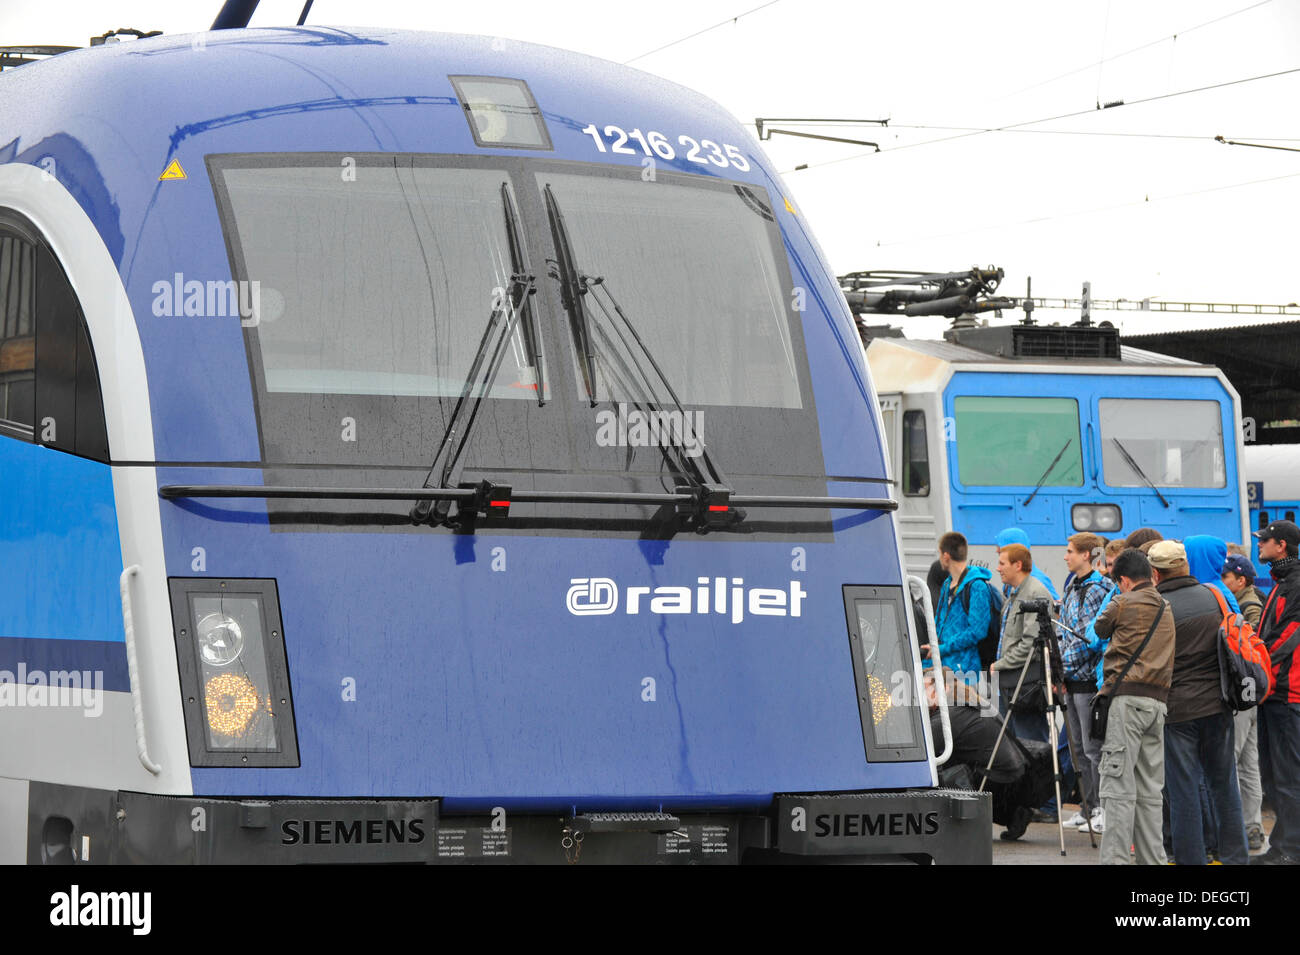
[1132,768]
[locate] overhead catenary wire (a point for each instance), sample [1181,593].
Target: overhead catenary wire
[692,36]
[1196,137]
[1048,119]
[1145,200]
[1137,49]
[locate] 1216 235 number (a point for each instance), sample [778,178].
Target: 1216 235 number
[703,151]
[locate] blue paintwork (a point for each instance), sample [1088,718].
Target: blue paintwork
[981,512]
[60,558]
[479,685]
[473,685]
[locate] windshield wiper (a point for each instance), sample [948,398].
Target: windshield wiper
[709,492]
[492,348]
[572,290]
[519,262]
[688,466]
[1140,473]
[1043,480]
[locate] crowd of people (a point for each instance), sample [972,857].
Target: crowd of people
[1171,764]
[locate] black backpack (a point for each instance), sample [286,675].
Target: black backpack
[988,647]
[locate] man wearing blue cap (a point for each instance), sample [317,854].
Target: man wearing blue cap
[1239,577]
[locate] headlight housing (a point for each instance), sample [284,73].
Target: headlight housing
[882,667]
[1097,518]
[234,677]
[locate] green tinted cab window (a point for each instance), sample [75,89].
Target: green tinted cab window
[1013,442]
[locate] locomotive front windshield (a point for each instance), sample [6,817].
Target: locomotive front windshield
[1015,441]
[378,285]
[377,276]
[696,270]
[1169,443]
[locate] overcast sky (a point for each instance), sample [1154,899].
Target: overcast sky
[1137,198]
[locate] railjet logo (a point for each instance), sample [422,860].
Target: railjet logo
[599,596]
[75,907]
[651,429]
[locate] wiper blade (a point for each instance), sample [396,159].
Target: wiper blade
[1140,473]
[1043,480]
[519,262]
[574,287]
[572,291]
[711,484]
[492,349]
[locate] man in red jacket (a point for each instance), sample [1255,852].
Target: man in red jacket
[1279,715]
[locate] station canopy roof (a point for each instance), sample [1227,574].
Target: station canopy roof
[1261,361]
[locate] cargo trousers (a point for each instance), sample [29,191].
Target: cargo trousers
[1247,750]
[1132,774]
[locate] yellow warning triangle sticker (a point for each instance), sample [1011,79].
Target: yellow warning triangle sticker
[174,171]
[788,208]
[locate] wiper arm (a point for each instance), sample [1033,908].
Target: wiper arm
[492,349]
[710,490]
[1043,480]
[1140,473]
[519,262]
[575,285]
[572,291]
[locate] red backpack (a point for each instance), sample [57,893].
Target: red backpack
[1245,670]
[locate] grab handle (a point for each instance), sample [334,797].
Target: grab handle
[921,590]
[133,671]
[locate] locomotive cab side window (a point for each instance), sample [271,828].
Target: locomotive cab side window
[916,455]
[49,382]
[17,335]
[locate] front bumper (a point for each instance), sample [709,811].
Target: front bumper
[68,824]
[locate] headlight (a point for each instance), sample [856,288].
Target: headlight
[220,639]
[882,665]
[230,651]
[1096,517]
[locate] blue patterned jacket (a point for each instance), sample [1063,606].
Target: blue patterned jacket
[1083,601]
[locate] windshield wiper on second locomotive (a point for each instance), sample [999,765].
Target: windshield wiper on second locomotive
[1138,470]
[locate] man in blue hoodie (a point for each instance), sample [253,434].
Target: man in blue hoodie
[1014,535]
[1205,557]
[961,621]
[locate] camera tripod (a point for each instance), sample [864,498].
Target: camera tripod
[1047,647]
